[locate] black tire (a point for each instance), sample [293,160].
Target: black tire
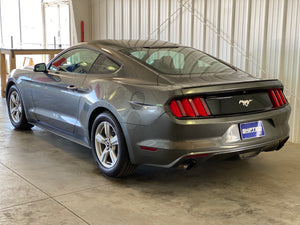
[16,110]
[109,147]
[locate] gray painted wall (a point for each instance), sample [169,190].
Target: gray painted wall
[261,37]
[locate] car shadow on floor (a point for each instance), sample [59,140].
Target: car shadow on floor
[61,144]
[215,171]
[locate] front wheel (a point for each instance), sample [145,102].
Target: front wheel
[109,147]
[16,110]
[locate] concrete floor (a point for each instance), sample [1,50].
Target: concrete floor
[46,179]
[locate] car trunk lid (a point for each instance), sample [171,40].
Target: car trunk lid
[231,98]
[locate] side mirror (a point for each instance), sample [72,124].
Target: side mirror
[40,67]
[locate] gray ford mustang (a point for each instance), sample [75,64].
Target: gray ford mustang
[149,102]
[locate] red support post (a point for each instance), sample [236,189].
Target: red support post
[82,31]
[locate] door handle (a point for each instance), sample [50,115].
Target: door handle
[72,87]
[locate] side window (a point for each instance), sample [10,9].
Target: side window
[138,54]
[104,65]
[75,61]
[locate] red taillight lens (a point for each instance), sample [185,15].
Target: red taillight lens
[274,98]
[201,107]
[282,97]
[277,97]
[175,109]
[189,107]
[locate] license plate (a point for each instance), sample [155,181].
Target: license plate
[252,130]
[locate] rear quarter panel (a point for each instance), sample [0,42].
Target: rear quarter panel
[131,101]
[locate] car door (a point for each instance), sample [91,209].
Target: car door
[101,88]
[56,94]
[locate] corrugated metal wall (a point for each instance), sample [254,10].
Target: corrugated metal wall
[259,36]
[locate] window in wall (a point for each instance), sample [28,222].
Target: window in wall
[21,24]
[1,33]
[57,26]
[10,23]
[31,26]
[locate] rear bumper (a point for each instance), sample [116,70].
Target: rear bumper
[171,141]
[199,157]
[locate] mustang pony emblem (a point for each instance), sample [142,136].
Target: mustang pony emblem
[245,102]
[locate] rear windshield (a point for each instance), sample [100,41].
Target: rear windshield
[178,60]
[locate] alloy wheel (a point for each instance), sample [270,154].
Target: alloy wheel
[15,107]
[106,144]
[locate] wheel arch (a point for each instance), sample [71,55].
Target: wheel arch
[8,86]
[97,110]
[23,123]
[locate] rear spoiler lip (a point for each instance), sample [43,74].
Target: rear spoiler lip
[231,87]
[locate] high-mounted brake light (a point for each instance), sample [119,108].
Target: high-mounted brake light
[189,107]
[277,97]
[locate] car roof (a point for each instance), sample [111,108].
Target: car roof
[117,45]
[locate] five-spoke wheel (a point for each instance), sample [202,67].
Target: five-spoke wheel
[15,107]
[16,110]
[106,143]
[109,147]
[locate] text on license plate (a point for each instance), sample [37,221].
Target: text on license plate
[252,129]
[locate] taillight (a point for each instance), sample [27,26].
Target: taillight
[277,97]
[282,97]
[175,109]
[189,107]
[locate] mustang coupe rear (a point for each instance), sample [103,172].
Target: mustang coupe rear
[149,102]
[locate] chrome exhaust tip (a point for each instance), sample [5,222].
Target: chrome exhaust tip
[188,164]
